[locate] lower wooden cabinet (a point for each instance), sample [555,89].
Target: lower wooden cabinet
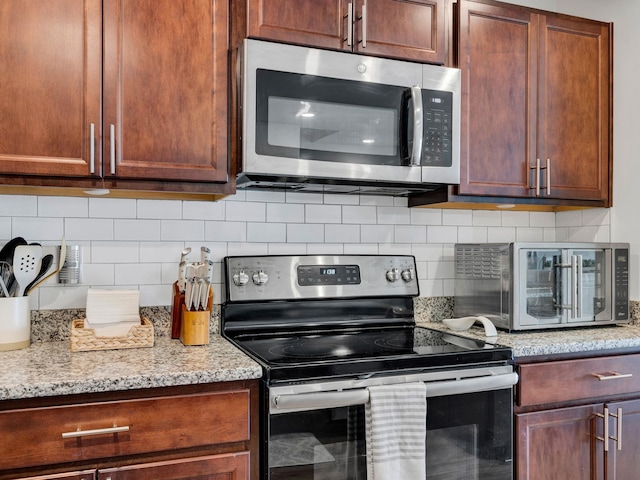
[586,422]
[204,432]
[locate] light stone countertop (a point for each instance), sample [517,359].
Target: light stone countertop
[560,341]
[50,368]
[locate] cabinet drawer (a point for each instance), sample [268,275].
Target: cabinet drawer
[50,435]
[567,380]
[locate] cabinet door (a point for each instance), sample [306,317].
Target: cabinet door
[623,463]
[50,80]
[411,30]
[319,23]
[560,444]
[573,105]
[165,92]
[84,475]
[216,467]
[497,57]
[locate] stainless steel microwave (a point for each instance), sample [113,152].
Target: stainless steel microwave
[326,121]
[525,286]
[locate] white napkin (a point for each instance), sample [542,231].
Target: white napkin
[396,428]
[112,313]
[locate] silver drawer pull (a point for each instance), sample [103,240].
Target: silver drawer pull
[97,431]
[612,376]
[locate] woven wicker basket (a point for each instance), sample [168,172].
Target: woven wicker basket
[85,339]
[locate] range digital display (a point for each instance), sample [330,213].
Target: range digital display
[328,275]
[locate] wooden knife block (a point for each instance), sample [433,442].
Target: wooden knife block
[194,324]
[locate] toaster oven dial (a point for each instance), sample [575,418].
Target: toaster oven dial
[260,277]
[393,274]
[240,278]
[408,274]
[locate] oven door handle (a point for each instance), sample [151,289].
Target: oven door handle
[344,398]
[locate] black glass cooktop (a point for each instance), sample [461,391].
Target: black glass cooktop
[362,351]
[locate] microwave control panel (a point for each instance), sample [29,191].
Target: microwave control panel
[437,137]
[621,283]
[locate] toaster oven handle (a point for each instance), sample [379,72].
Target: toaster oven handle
[418,127]
[576,286]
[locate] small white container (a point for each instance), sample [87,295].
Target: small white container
[15,323]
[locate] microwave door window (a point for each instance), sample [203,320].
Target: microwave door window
[543,287]
[327,119]
[592,286]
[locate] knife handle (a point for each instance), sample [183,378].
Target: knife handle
[176,311]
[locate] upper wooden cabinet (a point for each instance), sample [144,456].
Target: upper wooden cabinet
[536,101]
[121,90]
[412,30]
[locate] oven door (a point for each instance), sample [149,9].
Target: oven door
[317,431]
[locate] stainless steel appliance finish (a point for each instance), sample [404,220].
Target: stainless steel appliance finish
[335,122]
[325,329]
[526,286]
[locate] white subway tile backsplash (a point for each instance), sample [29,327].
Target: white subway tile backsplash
[63,207]
[394,216]
[138,274]
[411,233]
[130,229]
[193,210]
[112,252]
[305,233]
[18,205]
[266,232]
[225,231]
[377,233]
[160,209]
[442,234]
[129,243]
[246,211]
[182,230]
[457,217]
[425,216]
[323,214]
[113,208]
[37,229]
[89,229]
[285,212]
[342,233]
[360,214]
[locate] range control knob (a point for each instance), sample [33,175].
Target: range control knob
[260,277]
[408,274]
[393,275]
[240,278]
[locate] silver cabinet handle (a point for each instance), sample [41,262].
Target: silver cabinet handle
[537,177]
[612,376]
[548,176]
[364,26]
[98,431]
[92,149]
[604,438]
[112,148]
[416,151]
[350,24]
[618,417]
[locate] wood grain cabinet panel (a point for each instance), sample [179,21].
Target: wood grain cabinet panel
[536,108]
[578,419]
[412,30]
[45,436]
[129,92]
[215,467]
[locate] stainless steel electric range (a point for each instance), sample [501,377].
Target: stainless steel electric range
[325,328]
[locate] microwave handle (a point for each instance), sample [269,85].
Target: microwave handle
[418,127]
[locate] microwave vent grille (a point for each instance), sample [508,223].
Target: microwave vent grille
[478,262]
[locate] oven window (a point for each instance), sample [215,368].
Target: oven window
[469,437]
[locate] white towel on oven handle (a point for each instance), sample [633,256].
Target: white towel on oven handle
[395,424]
